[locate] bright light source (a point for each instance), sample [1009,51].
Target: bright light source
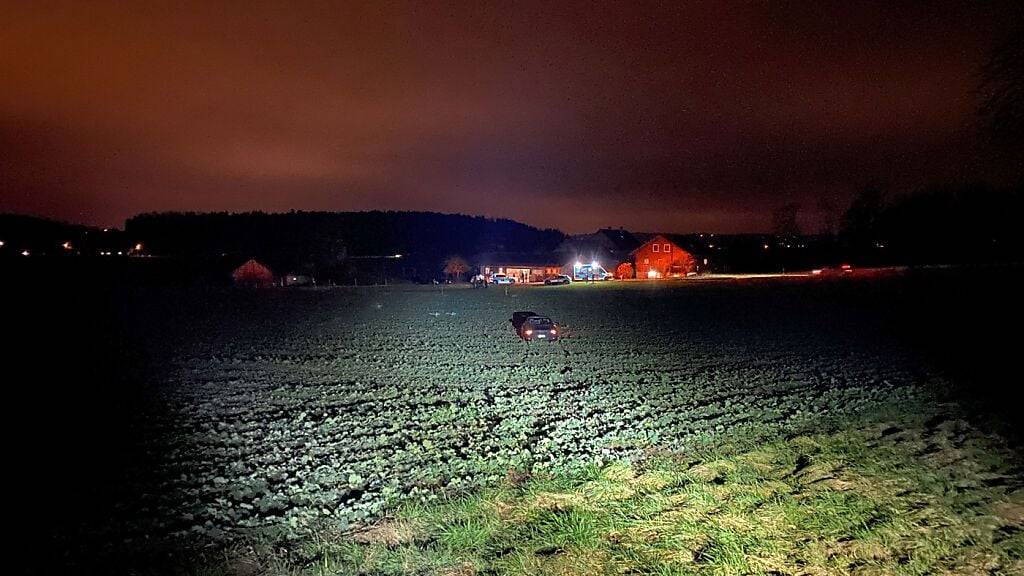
[816,271]
[1,243]
[552,330]
[398,255]
[138,247]
[24,253]
[528,332]
[66,245]
[594,264]
[652,273]
[577,264]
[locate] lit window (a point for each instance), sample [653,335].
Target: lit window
[665,248]
[647,260]
[656,246]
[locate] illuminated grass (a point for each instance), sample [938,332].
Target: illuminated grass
[865,502]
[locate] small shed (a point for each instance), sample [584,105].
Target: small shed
[253,274]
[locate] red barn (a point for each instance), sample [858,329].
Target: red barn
[252,274]
[661,258]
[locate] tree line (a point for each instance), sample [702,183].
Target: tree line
[342,246]
[939,225]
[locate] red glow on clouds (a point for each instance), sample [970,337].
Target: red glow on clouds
[673,118]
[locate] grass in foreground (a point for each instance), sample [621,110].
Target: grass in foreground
[881,500]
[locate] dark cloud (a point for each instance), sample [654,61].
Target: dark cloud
[675,116]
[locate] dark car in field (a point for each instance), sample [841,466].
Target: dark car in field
[557,279]
[532,326]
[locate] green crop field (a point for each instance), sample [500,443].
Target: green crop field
[771,427]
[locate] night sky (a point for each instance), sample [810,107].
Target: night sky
[674,117]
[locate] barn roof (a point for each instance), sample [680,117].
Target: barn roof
[692,243]
[252,270]
[621,240]
[514,259]
[607,240]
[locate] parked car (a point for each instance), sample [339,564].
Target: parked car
[532,326]
[502,279]
[837,271]
[557,279]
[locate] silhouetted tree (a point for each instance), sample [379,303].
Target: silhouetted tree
[455,266]
[861,224]
[1002,88]
[784,220]
[829,216]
